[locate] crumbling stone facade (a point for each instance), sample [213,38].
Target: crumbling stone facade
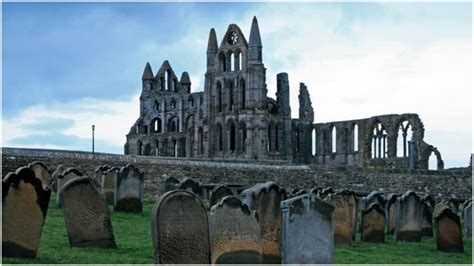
[233,118]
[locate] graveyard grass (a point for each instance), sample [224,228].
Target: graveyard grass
[133,238]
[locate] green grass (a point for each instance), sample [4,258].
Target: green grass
[133,238]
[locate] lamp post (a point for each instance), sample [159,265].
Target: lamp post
[93,128]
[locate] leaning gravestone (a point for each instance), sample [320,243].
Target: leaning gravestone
[129,190]
[24,207]
[41,172]
[265,200]
[191,185]
[234,233]
[308,235]
[59,171]
[86,214]
[391,212]
[108,180]
[373,224]
[344,217]
[409,217]
[169,183]
[467,217]
[219,192]
[99,172]
[64,177]
[447,229]
[180,231]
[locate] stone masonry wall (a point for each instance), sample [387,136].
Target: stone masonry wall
[446,183]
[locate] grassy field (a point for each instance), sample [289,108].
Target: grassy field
[133,238]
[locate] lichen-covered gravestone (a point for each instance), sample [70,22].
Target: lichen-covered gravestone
[86,214]
[467,216]
[373,197]
[448,232]
[373,224]
[308,235]
[169,183]
[219,192]
[42,172]
[391,213]
[409,218]
[191,185]
[234,233]
[24,207]
[99,172]
[265,199]
[129,190]
[64,177]
[60,169]
[344,217]
[108,180]
[179,227]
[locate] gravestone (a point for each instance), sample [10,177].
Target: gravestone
[63,178]
[373,224]
[60,169]
[265,199]
[129,190]
[234,233]
[99,172]
[169,183]
[86,214]
[447,229]
[191,185]
[24,207]
[373,197]
[391,213]
[409,217]
[308,235]
[467,216]
[41,172]
[180,237]
[344,217]
[219,192]
[427,222]
[108,180]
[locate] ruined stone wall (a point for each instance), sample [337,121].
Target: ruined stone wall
[444,183]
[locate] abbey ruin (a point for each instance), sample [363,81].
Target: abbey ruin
[233,118]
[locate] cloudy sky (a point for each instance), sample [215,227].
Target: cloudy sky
[67,66]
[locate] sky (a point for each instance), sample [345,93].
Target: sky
[67,66]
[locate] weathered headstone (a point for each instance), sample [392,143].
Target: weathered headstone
[373,224]
[391,213]
[42,172]
[308,235]
[108,180]
[219,192]
[234,233]
[24,208]
[99,172]
[409,217]
[180,231]
[86,214]
[427,222]
[60,169]
[265,199]
[191,185]
[344,217]
[169,183]
[467,216]
[63,178]
[129,190]
[447,229]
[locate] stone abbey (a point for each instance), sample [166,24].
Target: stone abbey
[233,118]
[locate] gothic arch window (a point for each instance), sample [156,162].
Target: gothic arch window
[200,141]
[355,137]
[333,139]
[242,93]
[232,61]
[173,124]
[167,80]
[404,136]
[156,125]
[219,96]
[314,142]
[231,95]
[232,137]
[139,148]
[379,141]
[222,62]
[243,136]
[239,60]
[432,161]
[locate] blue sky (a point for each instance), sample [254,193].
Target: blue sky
[69,65]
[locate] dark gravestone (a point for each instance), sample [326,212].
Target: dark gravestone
[99,172]
[373,224]
[108,180]
[59,171]
[41,172]
[218,193]
[234,233]
[467,216]
[373,197]
[129,190]
[409,217]
[308,235]
[447,229]
[180,231]
[265,199]
[191,185]
[427,223]
[86,214]
[169,183]
[391,213]
[344,216]
[24,208]
[63,178]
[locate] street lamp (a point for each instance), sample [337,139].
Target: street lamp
[93,128]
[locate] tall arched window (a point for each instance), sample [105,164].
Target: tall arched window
[333,140]
[405,135]
[240,63]
[232,137]
[355,137]
[219,137]
[219,96]
[232,62]
[156,125]
[222,62]
[242,93]
[379,141]
[167,84]
[313,137]
[231,95]
[432,162]
[242,136]
[200,141]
